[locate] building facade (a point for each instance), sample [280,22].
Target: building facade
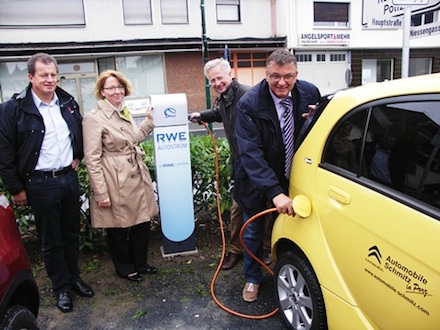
[161,45]
[343,43]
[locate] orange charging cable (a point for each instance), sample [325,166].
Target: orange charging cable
[214,278]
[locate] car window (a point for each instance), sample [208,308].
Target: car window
[345,143]
[310,122]
[393,144]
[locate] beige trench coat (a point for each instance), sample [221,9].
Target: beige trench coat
[116,170]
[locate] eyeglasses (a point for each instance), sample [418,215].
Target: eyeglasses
[287,77]
[113,88]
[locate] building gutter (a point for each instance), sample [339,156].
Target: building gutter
[138,46]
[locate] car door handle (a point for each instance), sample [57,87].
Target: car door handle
[339,195]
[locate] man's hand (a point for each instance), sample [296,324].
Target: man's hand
[75,164]
[312,109]
[20,198]
[283,204]
[194,117]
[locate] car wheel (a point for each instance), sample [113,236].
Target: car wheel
[298,293]
[19,317]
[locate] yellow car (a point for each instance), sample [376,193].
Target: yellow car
[363,250]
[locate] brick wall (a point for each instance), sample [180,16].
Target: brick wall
[184,74]
[358,55]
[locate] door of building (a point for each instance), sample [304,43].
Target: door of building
[78,79]
[375,70]
[81,88]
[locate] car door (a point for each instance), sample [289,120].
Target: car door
[380,211]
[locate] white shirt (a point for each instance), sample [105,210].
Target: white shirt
[56,151]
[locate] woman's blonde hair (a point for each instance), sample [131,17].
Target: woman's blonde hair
[111,73]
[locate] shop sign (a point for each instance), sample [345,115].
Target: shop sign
[324,38]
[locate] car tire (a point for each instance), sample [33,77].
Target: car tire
[298,293]
[19,317]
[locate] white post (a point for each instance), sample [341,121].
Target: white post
[406,47]
[173,173]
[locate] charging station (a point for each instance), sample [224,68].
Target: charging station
[173,173]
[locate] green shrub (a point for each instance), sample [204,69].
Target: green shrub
[204,188]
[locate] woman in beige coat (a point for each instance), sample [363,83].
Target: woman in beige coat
[122,195]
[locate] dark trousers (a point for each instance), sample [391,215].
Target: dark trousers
[236,225]
[253,239]
[129,247]
[55,205]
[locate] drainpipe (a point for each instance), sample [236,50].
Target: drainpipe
[205,57]
[405,47]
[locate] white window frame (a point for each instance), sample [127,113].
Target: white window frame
[331,23]
[137,12]
[228,11]
[174,11]
[41,13]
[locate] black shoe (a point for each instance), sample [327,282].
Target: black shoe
[135,277]
[64,303]
[83,289]
[147,270]
[231,259]
[267,258]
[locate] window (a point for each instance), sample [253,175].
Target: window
[383,72]
[303,57]
[146,74]
[419,66]
[424,18]
[249,60]
[174,11]
[344,145]
[13,77]
[374,70]
[249,68]
[29,13]
[337,57]
[331,14]
[399,150]
[320,57]
[228,10]
[137,12]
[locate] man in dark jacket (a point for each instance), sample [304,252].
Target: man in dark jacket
[265,135]
[41,147]
[229,90]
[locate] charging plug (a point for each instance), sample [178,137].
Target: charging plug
[197,119]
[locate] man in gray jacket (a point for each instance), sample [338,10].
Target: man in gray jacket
[218,73]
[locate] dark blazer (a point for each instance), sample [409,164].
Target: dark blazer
[22,132]
[259,174]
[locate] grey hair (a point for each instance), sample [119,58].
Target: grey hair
[42,57]
[281,57]
[224,65]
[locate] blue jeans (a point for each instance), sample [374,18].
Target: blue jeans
[55,205]
[253,239]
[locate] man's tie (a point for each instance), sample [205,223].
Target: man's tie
[288,131]
[126,113]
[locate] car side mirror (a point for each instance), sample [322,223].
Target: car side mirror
[302,206]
